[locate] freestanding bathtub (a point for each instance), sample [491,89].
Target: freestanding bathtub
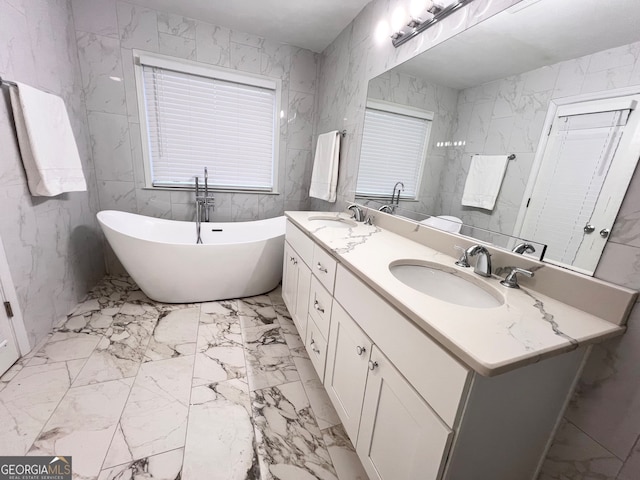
[235,260]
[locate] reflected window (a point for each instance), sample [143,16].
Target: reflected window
[394,148]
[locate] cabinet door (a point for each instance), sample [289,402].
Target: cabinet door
[400,436]
[346,370]
[302,294]
[289,278]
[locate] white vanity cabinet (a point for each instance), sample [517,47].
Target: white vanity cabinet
[412,409]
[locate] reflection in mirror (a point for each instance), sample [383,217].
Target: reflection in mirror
[448,223]
[556,84]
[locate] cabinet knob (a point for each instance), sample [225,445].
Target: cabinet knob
[313,346]
[604,233]
[317,306]
[321,268]
[295,262]
[372,365]
[360,350]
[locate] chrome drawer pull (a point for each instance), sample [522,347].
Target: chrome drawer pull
[372,365]
[317,306]
[316,350]
[321,268]
[360,350]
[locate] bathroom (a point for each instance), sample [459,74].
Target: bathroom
[83,51]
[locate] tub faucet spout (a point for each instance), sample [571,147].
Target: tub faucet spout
[204,202]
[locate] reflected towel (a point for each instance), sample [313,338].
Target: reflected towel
[484,181]
[324,179]
[47,145]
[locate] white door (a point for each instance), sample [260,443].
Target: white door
[8,347]
[400,437]
[346,373]
[587,164]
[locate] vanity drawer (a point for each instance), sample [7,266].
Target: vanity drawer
[302,244]
[437,376]
[316,348]
[320,302]
[324,267]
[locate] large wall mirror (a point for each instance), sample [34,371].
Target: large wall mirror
[543,98]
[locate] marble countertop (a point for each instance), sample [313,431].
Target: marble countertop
[527,328]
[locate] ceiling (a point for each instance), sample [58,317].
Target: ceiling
[311,24]
[529,35]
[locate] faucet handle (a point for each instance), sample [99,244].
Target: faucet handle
[511,280]
[463,261]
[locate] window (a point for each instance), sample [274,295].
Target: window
[196,116]
[394,147]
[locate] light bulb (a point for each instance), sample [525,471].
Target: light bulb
[398,19]
[382,31]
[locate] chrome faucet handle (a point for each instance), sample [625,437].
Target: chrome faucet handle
[511,280]
[523,248]
[463,261]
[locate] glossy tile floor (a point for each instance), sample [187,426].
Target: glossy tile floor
[135,389]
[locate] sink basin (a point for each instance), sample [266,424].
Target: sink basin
[332,222]
[448,285]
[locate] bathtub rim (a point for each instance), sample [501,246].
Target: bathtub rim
[199,245]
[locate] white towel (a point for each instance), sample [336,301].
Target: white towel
[484,181]
[324,179]
[47,145]
[444,222]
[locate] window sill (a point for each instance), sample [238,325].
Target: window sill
[211,190]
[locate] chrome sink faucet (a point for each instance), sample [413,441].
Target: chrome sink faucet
[483,262]
[356,212]
[523,248]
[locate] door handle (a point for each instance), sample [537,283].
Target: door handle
[588,228]
[604,233]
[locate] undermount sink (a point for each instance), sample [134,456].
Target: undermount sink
[448,285]
[332,222]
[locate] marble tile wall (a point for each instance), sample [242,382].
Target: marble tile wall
[600,436]
[53,245]
[106,33]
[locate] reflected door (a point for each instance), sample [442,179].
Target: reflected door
[586,167]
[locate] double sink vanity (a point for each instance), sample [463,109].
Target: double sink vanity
[437,372]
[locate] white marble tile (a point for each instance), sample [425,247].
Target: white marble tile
[244,57]
[64,346]
[153,203]
[116,195]
[256,311]
[164,466]
[300,120]
[95,16]
[138,27]
[102,74]
[343,454]
[304,65]
[275,60]
[120,352]
[154,419]
[130,90]
[83,424]
[245,38]
[244,207]
[212,44]
[220,438]
[174,335]
[268,358]
[326,415]
[27,402]
[290,445]
[111,146]
[177,46]
[575,455]
[176,25]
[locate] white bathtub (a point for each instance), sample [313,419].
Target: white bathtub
[162,256]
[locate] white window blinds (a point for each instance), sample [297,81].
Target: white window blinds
[195,121]
[393,150]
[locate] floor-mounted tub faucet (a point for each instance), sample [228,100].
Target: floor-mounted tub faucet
[204,203]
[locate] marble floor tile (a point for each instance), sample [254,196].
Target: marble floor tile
[268,358]
[289,442]
[164,466]
[154,419]
[83,424]
[210,312]
[220,352]
[256,311]
[27,402]
[63,346]
[276,296]
[174,335]
[343,454]
[220,436]
[325,414]
[120,351]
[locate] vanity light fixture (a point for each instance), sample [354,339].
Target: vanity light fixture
[423,14]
